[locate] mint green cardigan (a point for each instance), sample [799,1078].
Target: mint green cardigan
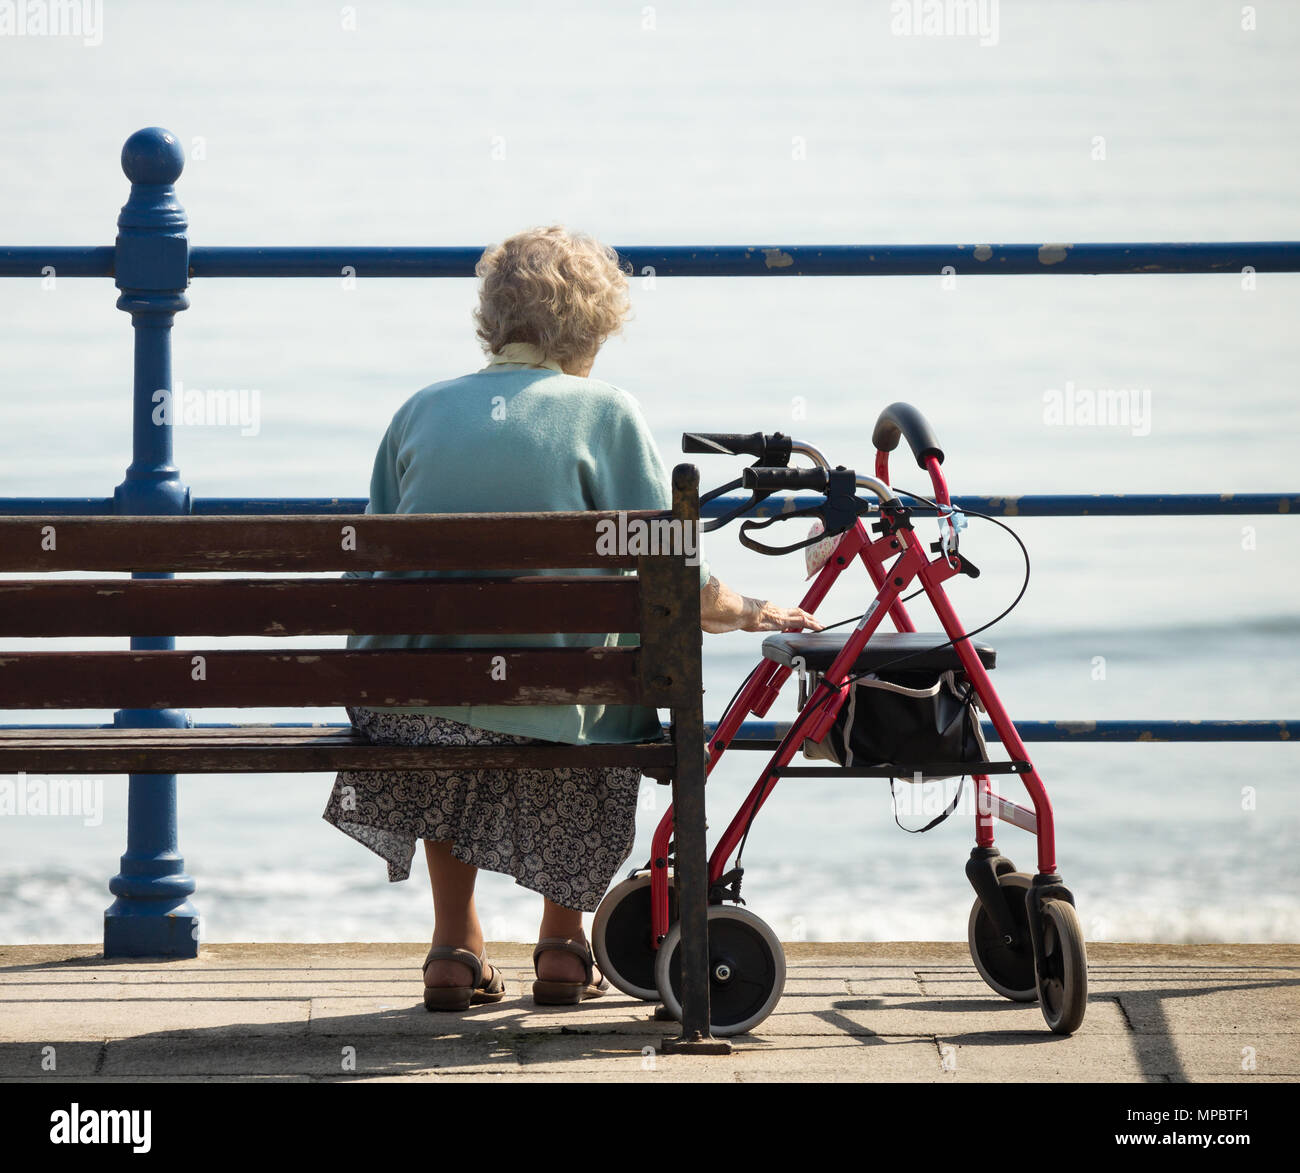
[515,439]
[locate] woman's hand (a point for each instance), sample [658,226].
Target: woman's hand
[768,616]
[722,609]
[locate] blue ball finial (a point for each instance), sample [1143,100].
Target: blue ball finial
[153,155]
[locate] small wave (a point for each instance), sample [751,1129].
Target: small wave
[847,903]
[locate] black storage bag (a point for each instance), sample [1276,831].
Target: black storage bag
[905,718]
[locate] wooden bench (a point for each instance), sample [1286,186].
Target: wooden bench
[659,602]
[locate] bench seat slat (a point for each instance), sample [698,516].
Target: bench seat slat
[299,606]
[326,678]
[415,541]
[253,749]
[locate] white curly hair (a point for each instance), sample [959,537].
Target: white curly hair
[562,291]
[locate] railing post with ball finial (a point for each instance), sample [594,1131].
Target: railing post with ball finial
[152,915]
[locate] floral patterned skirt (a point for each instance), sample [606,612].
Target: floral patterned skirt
[561,832]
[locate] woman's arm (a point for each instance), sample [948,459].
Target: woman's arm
[722,609]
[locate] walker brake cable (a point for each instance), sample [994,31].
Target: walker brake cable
[770,451]
[838,511]
[855,676]
[756,497]
[1024,586]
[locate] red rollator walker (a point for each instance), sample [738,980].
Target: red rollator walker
[875,704]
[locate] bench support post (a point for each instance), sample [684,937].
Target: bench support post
[152,915]
[690,851]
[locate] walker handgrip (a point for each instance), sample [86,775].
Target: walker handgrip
[774,480]
[903,419]
[724,443]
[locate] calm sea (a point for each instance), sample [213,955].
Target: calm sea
[752,123]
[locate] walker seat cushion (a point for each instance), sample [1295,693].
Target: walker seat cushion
[818,650]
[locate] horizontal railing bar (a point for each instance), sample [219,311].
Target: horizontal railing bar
[1058,504]
[784,260]
[771,732]
[221,506]
[803,260]
[73,261]
[1023,505]
[1253,730]
[767,734]
[331,261]
[1124,504]
[56,506]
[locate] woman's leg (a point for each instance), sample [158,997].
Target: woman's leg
[555,965]
[455,919]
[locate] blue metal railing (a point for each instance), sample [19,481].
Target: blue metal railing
[1028,505]
[803,260]
[152,264]
[1060,731]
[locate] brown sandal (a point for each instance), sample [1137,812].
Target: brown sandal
[460,997]
[548,993]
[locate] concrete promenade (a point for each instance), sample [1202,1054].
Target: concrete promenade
[851,1012]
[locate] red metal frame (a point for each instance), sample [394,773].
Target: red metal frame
[815,719]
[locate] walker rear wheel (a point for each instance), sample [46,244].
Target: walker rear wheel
[1006,968]
[1063,988]
[621,936]
[746,970]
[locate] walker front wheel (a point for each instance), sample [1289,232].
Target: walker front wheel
[1063,987]
[1007,968]
[746,970]
[622,936]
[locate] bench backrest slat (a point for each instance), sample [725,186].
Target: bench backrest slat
[252,679]
[298,606]
[659,604]
[396,542]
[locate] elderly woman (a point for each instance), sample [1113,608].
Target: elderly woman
[531,431]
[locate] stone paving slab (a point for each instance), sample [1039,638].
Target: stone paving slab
[919,1015]
[863,1013]
[1215,1057]
[1215,1007]
[318,1057]
[69,1020]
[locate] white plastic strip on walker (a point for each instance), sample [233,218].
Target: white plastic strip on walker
[1014,813]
